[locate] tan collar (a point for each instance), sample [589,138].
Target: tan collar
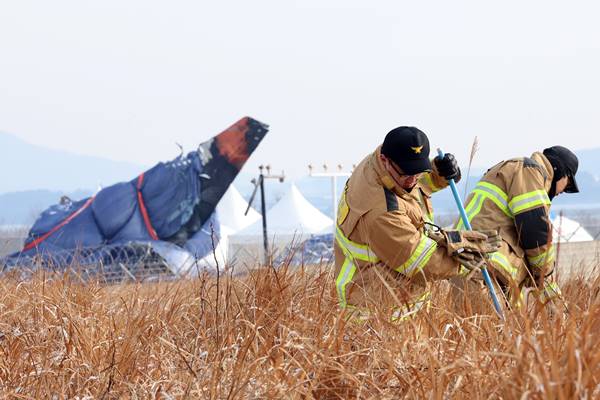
[541,159]
[385,179]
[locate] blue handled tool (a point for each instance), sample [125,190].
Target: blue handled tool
[463,215]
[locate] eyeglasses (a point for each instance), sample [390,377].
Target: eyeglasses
[398,171]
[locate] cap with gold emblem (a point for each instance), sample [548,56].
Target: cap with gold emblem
[564,163]
[407,147]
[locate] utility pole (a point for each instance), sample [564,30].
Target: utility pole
[333,176]
[260,182]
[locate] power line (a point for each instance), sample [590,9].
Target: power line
[260,183]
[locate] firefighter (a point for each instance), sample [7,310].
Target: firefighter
[387,251]
[514,197]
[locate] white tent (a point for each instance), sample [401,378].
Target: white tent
[293,215]
[230,215]
[567,230]
[231,209]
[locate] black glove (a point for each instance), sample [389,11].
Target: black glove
[447,167]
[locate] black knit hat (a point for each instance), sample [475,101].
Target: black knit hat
[408,147]
[565,163]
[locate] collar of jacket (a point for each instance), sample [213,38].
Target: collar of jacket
[541,159]
[384,178]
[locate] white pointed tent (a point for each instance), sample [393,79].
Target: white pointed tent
[230,216]
[231,209]
[293,215]
[568,230]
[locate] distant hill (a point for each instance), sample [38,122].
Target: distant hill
[25,166]
[589,195]
[589,161]
[34,177]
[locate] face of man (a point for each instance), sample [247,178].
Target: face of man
[561,184]
[406,182]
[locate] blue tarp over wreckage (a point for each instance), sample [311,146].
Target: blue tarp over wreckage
[161,221]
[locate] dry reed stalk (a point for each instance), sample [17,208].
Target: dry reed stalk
[280,335]
[474,150]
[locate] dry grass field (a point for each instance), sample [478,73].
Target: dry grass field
[279,335]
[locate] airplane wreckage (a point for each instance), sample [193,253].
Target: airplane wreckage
[162,222]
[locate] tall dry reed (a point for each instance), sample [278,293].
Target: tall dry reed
[278,334]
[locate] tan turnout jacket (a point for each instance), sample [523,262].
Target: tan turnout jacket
[512,197]
[383,256]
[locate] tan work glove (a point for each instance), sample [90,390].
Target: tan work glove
[485,242]
[470,260]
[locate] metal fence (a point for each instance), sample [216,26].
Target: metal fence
[139,262]
[578,259]
[135,262]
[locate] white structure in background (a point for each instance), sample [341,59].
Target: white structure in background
[230,215]
[567,230]
[231,209]
[292,216]
[333,176]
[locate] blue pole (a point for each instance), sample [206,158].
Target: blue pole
[463,216]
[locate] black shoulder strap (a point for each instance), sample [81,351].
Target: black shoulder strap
[390,200]
[531,163]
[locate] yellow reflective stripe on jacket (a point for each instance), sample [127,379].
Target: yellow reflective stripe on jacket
[500,260]
[483,191]
[430,184]
[472,209]
[550,292]
[354,250]
[495,194]
[399,314]
[528,200]
[543,259]
[419,257]
[344,277]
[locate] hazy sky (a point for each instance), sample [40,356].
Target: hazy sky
[127,79]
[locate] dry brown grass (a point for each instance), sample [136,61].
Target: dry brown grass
[271,335]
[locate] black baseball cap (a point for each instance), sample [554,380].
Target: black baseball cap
[408,147]
[565,163]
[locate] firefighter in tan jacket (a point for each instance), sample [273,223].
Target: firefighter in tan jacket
[386,251]
[514,197]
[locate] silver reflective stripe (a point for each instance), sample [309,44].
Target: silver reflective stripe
[499,259]
[476,207]
[493,193]
[536,198]
[544,258]
[425,249]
